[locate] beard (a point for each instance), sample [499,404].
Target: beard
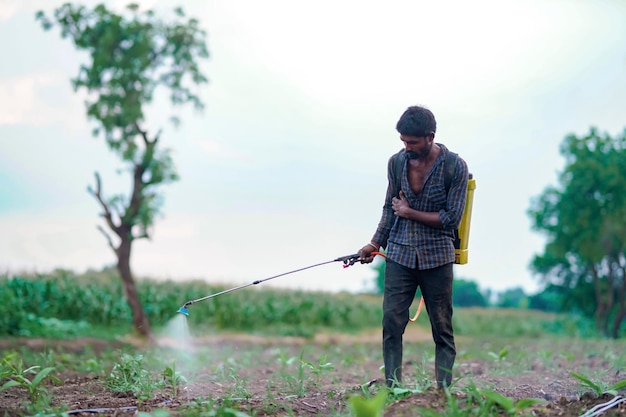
[421,154]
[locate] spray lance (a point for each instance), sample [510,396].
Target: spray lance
[347,261]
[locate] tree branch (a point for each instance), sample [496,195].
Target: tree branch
[97,193]
[108,237]
[144,135]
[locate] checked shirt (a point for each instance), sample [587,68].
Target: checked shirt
[411,243]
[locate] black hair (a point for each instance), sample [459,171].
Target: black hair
[417,121]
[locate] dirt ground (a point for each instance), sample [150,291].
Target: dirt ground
[84,394]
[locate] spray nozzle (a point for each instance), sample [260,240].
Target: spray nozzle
[184,310]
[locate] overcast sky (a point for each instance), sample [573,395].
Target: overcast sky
[286,166]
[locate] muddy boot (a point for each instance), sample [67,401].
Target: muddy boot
[393,366]
[444,361]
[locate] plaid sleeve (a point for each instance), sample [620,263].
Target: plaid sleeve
[453,213]
[388,219]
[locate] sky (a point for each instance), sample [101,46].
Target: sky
[285,167]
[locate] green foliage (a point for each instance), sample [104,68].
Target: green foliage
[379,267]
[131,55]
[519,322]
[512,298]
[13,374]
[130,375]
[173,378]
[319,368]
[467,294]
[499,357]
[509,405]
[550,299]
[583,220]
[67,301]
[209,409]
[96,298]
[361,406]
[475,402]
[600,388]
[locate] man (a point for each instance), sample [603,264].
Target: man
[417,228]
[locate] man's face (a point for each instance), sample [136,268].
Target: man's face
[417,147]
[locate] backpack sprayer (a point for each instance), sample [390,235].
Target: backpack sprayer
[461,241]
[347,260]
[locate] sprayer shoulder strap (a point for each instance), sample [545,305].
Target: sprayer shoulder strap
[449,166]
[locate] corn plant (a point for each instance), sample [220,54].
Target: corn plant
[173,378]
[297,383]
[210,409]
[509,405]
[318,368]
[600,388]
[473,404]
[13,371]
[361,406]
[499,357]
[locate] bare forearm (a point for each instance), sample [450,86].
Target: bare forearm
[401,208]
[430,219]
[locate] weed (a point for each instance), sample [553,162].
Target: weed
[422,378]
[129,375]
[240,387]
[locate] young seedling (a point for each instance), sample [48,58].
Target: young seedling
[19,377]
[600,388]
[318,369]
[173,378]
[509,405]
[368,407]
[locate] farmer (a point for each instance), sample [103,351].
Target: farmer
[417,229]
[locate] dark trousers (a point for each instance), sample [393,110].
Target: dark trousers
[401,285]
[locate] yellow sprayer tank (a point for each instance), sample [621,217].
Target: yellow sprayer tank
[461,244]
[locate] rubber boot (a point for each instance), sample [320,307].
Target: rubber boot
[393,365]
[444,361]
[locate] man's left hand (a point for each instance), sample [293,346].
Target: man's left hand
[400,205]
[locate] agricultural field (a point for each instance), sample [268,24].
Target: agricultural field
[510,362]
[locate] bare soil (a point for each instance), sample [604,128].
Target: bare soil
[84,394]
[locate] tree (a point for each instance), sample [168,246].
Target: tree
[379,268]
[583,219]
[549,299]
[512,298]
[131,54]
[467,294]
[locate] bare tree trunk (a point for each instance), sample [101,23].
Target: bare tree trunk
[621,312]
[140,320]
[602,314]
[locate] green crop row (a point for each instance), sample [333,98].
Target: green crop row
[69,302]
[62,304]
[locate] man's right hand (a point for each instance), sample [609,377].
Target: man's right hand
[366,255]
